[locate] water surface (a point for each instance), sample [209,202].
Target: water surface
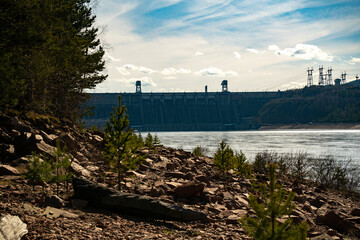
[342,144]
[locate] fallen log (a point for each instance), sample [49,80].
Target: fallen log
[105,198]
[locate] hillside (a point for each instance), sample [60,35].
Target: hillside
[172,176]
[335,104]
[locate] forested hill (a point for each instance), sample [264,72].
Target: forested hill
[49,54]
[333,104]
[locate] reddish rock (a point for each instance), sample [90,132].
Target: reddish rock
[54,201]
[335,221]
[8,170]
[189,189]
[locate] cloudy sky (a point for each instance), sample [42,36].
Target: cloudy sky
[183,45]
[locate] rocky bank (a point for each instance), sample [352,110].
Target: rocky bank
[169,175]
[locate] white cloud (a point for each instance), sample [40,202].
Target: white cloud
[174,71]
[170,78]
[198,54]
[355,60]
[112,59]
[237,55]
[273,47]
[292,85]
[231,74]
[253,50]
[213,71]
[305,51]
[124,70]
[145,81]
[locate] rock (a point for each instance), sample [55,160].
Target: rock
[176,175]
[19,161]
[322,237]
[202,178]
[44,147]
[79,203]
[354,219]
[189,189]
[232,219]
[317,202]
[355,212]
[54,201]
[102,197]
[69,141]
[335,221]
[12,228]
[51,213]
[79,170]
[8,170]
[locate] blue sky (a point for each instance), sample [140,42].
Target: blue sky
[183,45]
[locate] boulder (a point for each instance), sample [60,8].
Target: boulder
[8,170]
[54,201]
[79,170]
[335,221]
[79,203]
[189,189]
[102,197]
[355,212]
[51,212]
[12,228]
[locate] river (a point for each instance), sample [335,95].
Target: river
[342,144]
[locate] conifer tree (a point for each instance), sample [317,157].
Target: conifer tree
[120,149]
[223,158]
[272,204]
[38,170]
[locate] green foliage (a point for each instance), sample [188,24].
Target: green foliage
[120,147]
[200,151]
[43,170]
[61,163]
[271,204]
[316,104]
[38,170]
[262,159]
[156,140]
[242,167]
[149,141]
[223,158]
[49,54]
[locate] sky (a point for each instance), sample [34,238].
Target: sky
[257,45]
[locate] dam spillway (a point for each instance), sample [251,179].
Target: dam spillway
[188,111]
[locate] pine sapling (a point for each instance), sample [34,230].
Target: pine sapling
[272,203]
[120,147]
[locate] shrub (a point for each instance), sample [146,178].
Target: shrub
[38,171]
[120,150]
[149,141]
[273,203]
[329,172]
[262,159]
[200,151]
[242,167]
[223,158]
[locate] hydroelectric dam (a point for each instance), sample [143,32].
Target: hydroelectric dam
[188,111]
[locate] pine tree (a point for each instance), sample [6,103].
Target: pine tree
[241,166]
[38,170]
[120,150]
[273,203]
[223,158]
[149,141]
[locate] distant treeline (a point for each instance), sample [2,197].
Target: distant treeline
[49,54]
[335,104]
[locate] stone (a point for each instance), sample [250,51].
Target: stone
[176,175]
[317,202]
[79,170]
[54,201]
[44,147]
[12,228]
[354,219]
[51,212]
[202,178]
[22,160]
[335,221]
[79,203]
[232,219]
[134,204]
[8,170]
[355,212]
[189,189]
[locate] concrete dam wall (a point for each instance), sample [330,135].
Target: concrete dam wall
[206,111]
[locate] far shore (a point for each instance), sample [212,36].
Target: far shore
[321,126]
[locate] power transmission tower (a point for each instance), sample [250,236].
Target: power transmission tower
[343,77]
[321,75]
[310,77]
[329,79]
